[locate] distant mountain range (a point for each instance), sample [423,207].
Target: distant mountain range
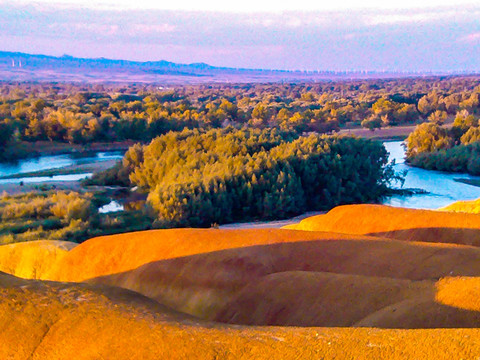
[16,66]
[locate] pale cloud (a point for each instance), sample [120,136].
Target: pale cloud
[355,36]
[471,38]
[151,28]
[248,6]
[262,21]
[409,17]
[104,29]
[289,20]
[294,22]
[295,19]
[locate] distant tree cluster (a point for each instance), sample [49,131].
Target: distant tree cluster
[90,113]
[456,149]
[198,177]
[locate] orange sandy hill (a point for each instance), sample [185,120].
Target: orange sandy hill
[203,272]
[318,299]
[455,303]
[324,299]
[357,284]
[33,259]
[472,207]
[96,322]
[397,223]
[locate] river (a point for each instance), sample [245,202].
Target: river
[441,187]
[52,162]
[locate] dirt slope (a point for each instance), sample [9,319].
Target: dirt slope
[174,267]
[318,299]
[254,277]
[455,304]
[324,299]
[34,259]
[397,223]
[85,322]
[119,253]
[472,207]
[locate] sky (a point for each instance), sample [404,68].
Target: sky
[336,35]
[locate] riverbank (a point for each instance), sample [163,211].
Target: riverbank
[473,182]
[441,188]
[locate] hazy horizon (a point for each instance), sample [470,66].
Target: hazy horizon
[346,36]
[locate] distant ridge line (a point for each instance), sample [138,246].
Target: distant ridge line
[19,66]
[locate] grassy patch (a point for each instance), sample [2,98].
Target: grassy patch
[58,215]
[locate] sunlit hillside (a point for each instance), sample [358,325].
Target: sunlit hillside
[32,260]
[206,293]
[85,322]
[472,207]
[397,223]
[200,271]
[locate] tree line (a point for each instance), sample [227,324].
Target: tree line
[84,113]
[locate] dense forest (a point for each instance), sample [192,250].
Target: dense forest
[456,148]
[198,177]
[82,113]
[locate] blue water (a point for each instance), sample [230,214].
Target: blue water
[442,188]
[54,162]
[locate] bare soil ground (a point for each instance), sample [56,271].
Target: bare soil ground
[17,188]
[270,224]
[47,320]
[390,133]
[387,133]
[202,271]
[330,295]
[397,223]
